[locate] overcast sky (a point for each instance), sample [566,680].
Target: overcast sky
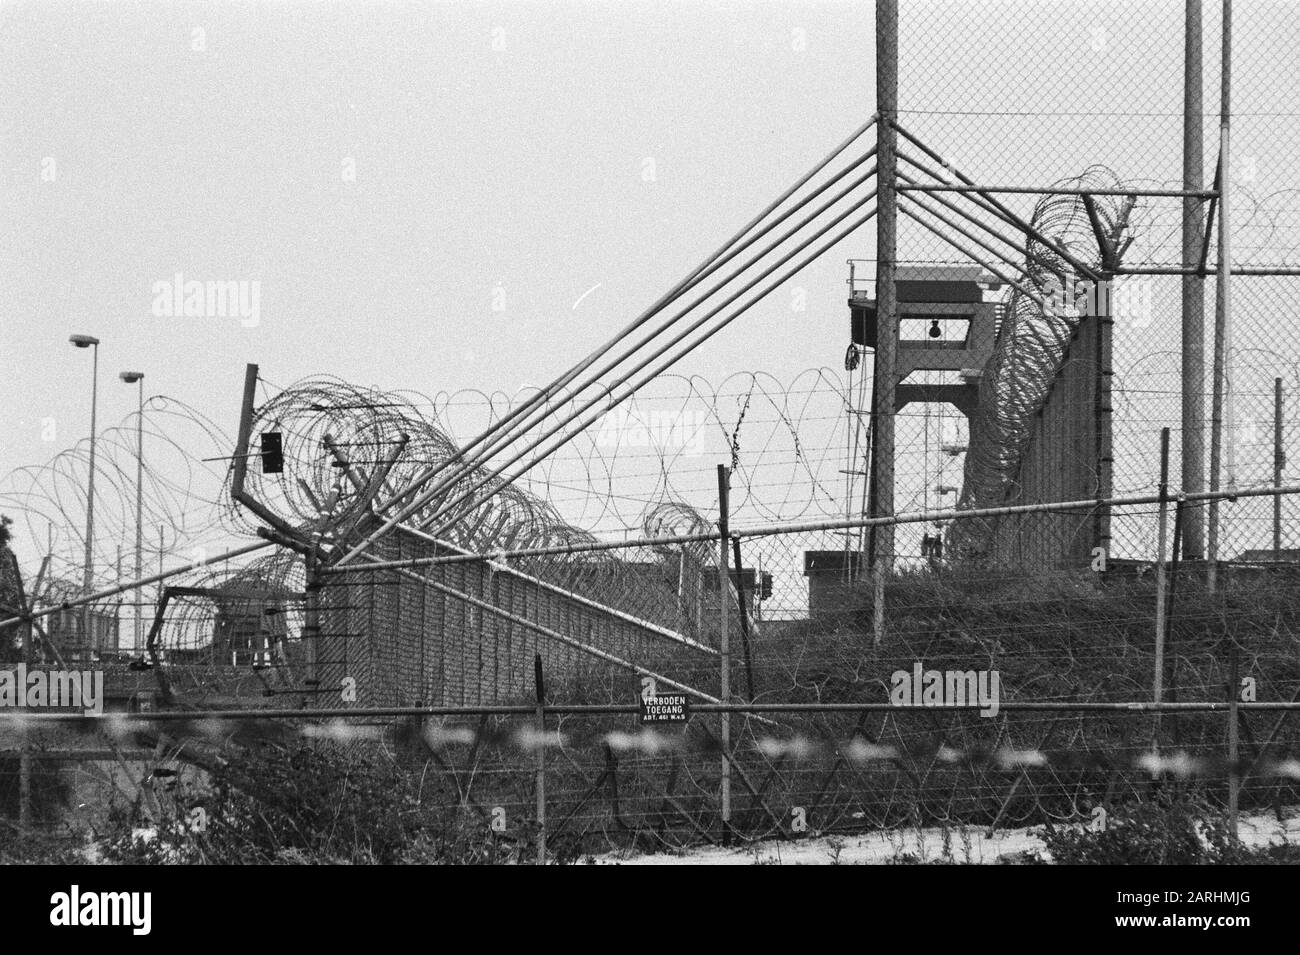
[389,171]
[600,145]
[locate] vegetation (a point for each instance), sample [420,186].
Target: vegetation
[306,805]
[1064,638]
[1169,830]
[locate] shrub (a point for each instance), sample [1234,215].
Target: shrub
[310,806]
[1169,830]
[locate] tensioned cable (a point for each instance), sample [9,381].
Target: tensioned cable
[630,351]
[561,382]
[842,234]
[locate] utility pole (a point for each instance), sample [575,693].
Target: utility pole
[88,572]
[1193,348]
[886,299]
[1221,400]
[137,377]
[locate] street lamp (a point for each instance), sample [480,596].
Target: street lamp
[89,341]
[131,377]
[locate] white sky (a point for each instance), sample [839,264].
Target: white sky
[519,168]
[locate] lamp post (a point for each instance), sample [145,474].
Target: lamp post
[89,341]
[131,377]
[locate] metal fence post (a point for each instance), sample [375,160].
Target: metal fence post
[1221,397]
[724,647]
[1234,777]
[884,380]
[1158,678]
[1193,286]
[1279,460]
[540,687]
[743,603]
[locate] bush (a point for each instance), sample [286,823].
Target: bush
[1170,830]
[321,806]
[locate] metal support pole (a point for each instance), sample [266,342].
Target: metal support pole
[743,603]
[541,758]
[158,593]
[801,527]
[1221,399]
[1234,777]
[1193,286]
[885,382]
[311,622]
[1103,411]
[1180,514]
[1158,679]
[724,646]
[1279,461]
[138,642]
[88,574]
[117,608]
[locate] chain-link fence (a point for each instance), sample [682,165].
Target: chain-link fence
[991,699]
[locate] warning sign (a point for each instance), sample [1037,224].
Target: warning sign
[665,708]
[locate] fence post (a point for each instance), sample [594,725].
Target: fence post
[1180,517]
[1279,460]
[1221,413]
[1234,777]
[1158,678]
[884,379]
[724,647]
[541,758]
[1192,451]
[743,603]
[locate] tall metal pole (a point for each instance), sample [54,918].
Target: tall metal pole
[1234,728]
[1221,400]
[1158,678]
[137,377]
[886,302]
[1105,445]
[724,643]
[88,571]
[540,786]
[1193,286]
[158,591]
[1279,461]
[139,516]
[117,610]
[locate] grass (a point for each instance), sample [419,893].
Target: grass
[1070,637]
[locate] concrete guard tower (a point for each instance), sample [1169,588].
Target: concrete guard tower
[944,324]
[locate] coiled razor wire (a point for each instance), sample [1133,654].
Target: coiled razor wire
[1029,351]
